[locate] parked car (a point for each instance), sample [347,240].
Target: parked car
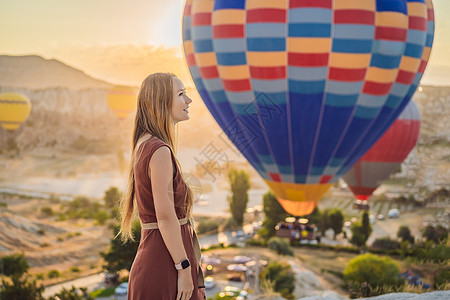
[380,217]
[372,219]
[121,289]
[394,213]
[209,282]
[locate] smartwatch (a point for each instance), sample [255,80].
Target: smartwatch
[184,264]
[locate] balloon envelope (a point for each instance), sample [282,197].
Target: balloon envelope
[386,156]
[122,100]
[14,110]
[304,88]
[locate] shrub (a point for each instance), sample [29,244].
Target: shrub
[373,270]
[207,225]
[54,274]
[47,210]
[281,276]
[230,224]
[441,279]
[386,243]
[75,269]
[281,246]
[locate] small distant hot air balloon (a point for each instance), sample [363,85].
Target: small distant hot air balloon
[386,156]
[122,100]
[304,88]
[14,110]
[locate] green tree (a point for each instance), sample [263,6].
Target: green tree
[273,212]
[366,227]
[101,216]
[358,238]
[72,294]
[240,184]
[282,277]
[281,246]
[19,288]
[336,219]
[14,265]
[120,256]
[324,222]
[112,197]
[436,234]
[314,217]
[372,269]
[404,233]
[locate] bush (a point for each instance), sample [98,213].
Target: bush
[230,224]
[101,217]
[207,226]
[281,276]
[281,246]
[386,243]
[404,233]
[54,274]
[373,270]
[441,279]
[75,269]
[47,210]
[14,265]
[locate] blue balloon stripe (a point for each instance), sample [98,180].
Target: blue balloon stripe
[416,37]
[351,46]
[235,45]
[266,44]
[305,109]
[414,50]
[269,86]
[353,32]
[344,87]
[231,59]
[309,30]
[202,32]
[385,61]
[306,87]
[219,96]
[357,128]
[266,30]
[390,48]
[337,100]
[310,15]
[369,100]
[306,74]
[229,4]
[202,46]
[245,97]
[392,5]
[365,112]
[333,124]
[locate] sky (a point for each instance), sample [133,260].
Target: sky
[97,36]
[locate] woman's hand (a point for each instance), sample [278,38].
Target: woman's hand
[185,284]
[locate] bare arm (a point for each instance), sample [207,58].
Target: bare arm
[161,172]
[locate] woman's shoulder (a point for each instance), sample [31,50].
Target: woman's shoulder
[149,144]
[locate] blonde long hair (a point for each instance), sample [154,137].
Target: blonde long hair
[153,117]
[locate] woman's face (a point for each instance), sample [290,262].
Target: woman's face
[180,104]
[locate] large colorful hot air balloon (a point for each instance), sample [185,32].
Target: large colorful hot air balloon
[386,155]
[14,110]
[303,88]
[122,100]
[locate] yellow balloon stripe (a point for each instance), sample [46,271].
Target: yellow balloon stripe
[297,191]
[14,110]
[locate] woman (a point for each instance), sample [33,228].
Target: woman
[165,266]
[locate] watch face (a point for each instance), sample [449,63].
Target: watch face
[185,263]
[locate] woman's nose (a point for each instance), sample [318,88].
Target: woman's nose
[188,100]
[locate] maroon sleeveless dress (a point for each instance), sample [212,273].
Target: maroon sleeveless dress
[153,274]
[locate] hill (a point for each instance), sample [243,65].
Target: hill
[36,72]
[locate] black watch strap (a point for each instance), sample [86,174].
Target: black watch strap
[184,264]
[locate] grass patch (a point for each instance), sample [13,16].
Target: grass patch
[106,292]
